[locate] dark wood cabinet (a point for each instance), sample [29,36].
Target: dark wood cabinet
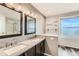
[31,52]
[40,48]
[37,50]
[23,54]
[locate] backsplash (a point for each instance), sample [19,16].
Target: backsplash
[14,40]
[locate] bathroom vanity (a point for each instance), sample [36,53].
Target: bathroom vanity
[36,50]
[30,47]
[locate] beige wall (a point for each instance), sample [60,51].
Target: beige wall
[51,46]
[40,26]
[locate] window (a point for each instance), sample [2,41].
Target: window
[70,27]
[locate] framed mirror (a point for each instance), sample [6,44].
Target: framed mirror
[30,25]
[10,22]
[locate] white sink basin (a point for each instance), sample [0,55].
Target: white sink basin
[28,42]
[14,49]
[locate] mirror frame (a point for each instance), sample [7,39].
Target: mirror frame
[13,35]
[26,25]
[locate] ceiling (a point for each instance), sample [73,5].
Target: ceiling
[51,9]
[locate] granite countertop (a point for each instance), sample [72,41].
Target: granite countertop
[21,47]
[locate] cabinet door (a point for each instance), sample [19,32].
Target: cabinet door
[22,54]
[40,49]
[31,52]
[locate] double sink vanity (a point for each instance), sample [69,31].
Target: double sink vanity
[29,47]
